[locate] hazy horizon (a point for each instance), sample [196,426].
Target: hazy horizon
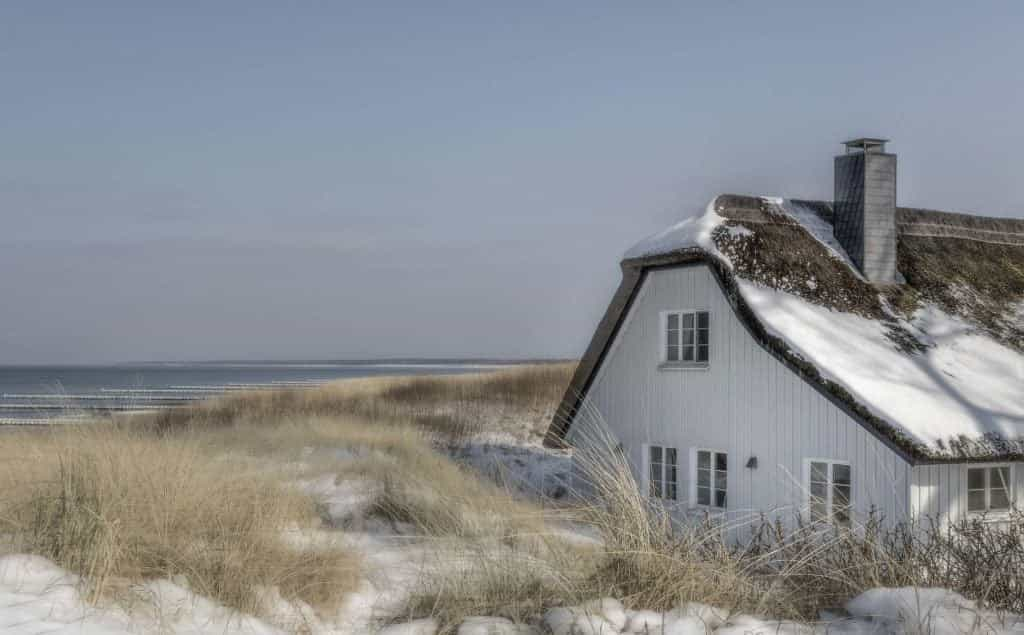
[250,181]
[312,361]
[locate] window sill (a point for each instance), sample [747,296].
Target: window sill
[708,509]
[684,366]
[990,517]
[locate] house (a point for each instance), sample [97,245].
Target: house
[828,358]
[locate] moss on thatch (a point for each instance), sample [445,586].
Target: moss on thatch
[980,282]
[785,257]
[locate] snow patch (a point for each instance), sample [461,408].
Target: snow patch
[692,232]
[819,228]
[965,384]
[927,611]
[37,596]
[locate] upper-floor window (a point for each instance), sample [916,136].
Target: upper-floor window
[829,487]
[686,337]
[988,489]
[710,476]
[662,465]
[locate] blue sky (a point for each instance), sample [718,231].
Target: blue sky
[251,180]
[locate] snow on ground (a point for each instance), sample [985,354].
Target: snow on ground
[36,596]
[907,610]
[965,383]
[531,469]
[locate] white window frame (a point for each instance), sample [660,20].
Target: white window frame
[663,340]
[693,479]
[647,471]
[830,512]
[988,511]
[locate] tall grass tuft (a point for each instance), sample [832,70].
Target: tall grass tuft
[118,508]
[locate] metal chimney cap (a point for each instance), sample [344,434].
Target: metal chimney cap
[866,144]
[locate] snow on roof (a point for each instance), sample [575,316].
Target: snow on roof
[694,231]
[938,361]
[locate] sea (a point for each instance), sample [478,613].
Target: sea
[61,394]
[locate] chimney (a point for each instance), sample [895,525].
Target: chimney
[865,208]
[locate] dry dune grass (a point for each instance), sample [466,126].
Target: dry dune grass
[518,401]
[414,483]
[119,507]
[206,494]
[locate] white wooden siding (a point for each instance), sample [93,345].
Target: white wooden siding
[746,402]
[937,492]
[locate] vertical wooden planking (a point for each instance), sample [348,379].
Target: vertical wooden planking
[746,403]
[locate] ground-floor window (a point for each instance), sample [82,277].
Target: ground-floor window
[988,489]
[710,474]
[829,487]
[663,465]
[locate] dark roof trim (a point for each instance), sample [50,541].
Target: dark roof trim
[604,335]
[634,273]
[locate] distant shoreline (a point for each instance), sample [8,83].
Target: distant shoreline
[296,363]
[33,395]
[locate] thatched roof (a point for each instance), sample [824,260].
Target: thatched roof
[954,329]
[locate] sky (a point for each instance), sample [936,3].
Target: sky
[258,180]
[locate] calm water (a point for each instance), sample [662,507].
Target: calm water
[37,394]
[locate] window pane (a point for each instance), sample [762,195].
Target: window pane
[819,490]
[841,515]
[976,478]
[655,454]
[687,320]
[704,478]
[655,478]
[719,498]
[673,338]
[976,501]
[702,353]
[670,491]
[703,496]
[818,511]
[687,337]
[721,461]
[702,337]
[670,457]
[840,495]
[999,499]
[819,472]
[999,477]
[687,353]
[673,321]
[720,480]
[670,482]
[841,474]
[702,319]
[703,459]
[672,354]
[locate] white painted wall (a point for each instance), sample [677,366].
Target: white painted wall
[746,403]
[939,492]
